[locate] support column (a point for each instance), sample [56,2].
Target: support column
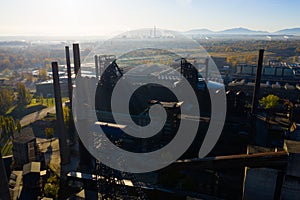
[4,191]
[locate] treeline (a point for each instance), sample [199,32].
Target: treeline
[282,47]
[246,51]
[8,98]
[31,56]
[28,57]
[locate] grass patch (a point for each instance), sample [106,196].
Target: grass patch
[49,102]
[11,109]
[19,111]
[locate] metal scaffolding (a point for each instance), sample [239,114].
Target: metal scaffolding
[110,184]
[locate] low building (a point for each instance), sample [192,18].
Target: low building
[31,175]
[31,181]
[24,150]
[46,88]
[15,184]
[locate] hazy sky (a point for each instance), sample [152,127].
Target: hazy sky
[102,17]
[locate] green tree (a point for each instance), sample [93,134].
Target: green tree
[8,126]
[24,96]
[51,188]
[11,127]
[18,126]
[270,101]
[6,100]
[67,117]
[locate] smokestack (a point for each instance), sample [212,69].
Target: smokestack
[85,156]
[76,54]
[4,191]
[97,67]
[206,70]
[70,87]
[257,82]
[64,150]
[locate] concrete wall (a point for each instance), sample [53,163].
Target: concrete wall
[291,185]
[260,183]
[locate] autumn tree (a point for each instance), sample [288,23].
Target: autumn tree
[232,60]
[295,59]
[66,112]
[43,75]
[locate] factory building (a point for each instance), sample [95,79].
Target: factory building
[45,88]
[24,150]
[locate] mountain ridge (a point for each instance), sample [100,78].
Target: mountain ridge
[242,31]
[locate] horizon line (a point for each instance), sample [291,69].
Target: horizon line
[120,32]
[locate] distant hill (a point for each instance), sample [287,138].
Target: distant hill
[242,31]
[289,31]
[232,31]
[202,31]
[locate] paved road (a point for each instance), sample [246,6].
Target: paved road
[26,120]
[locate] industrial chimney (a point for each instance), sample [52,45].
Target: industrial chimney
[64,150]
[76,56]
